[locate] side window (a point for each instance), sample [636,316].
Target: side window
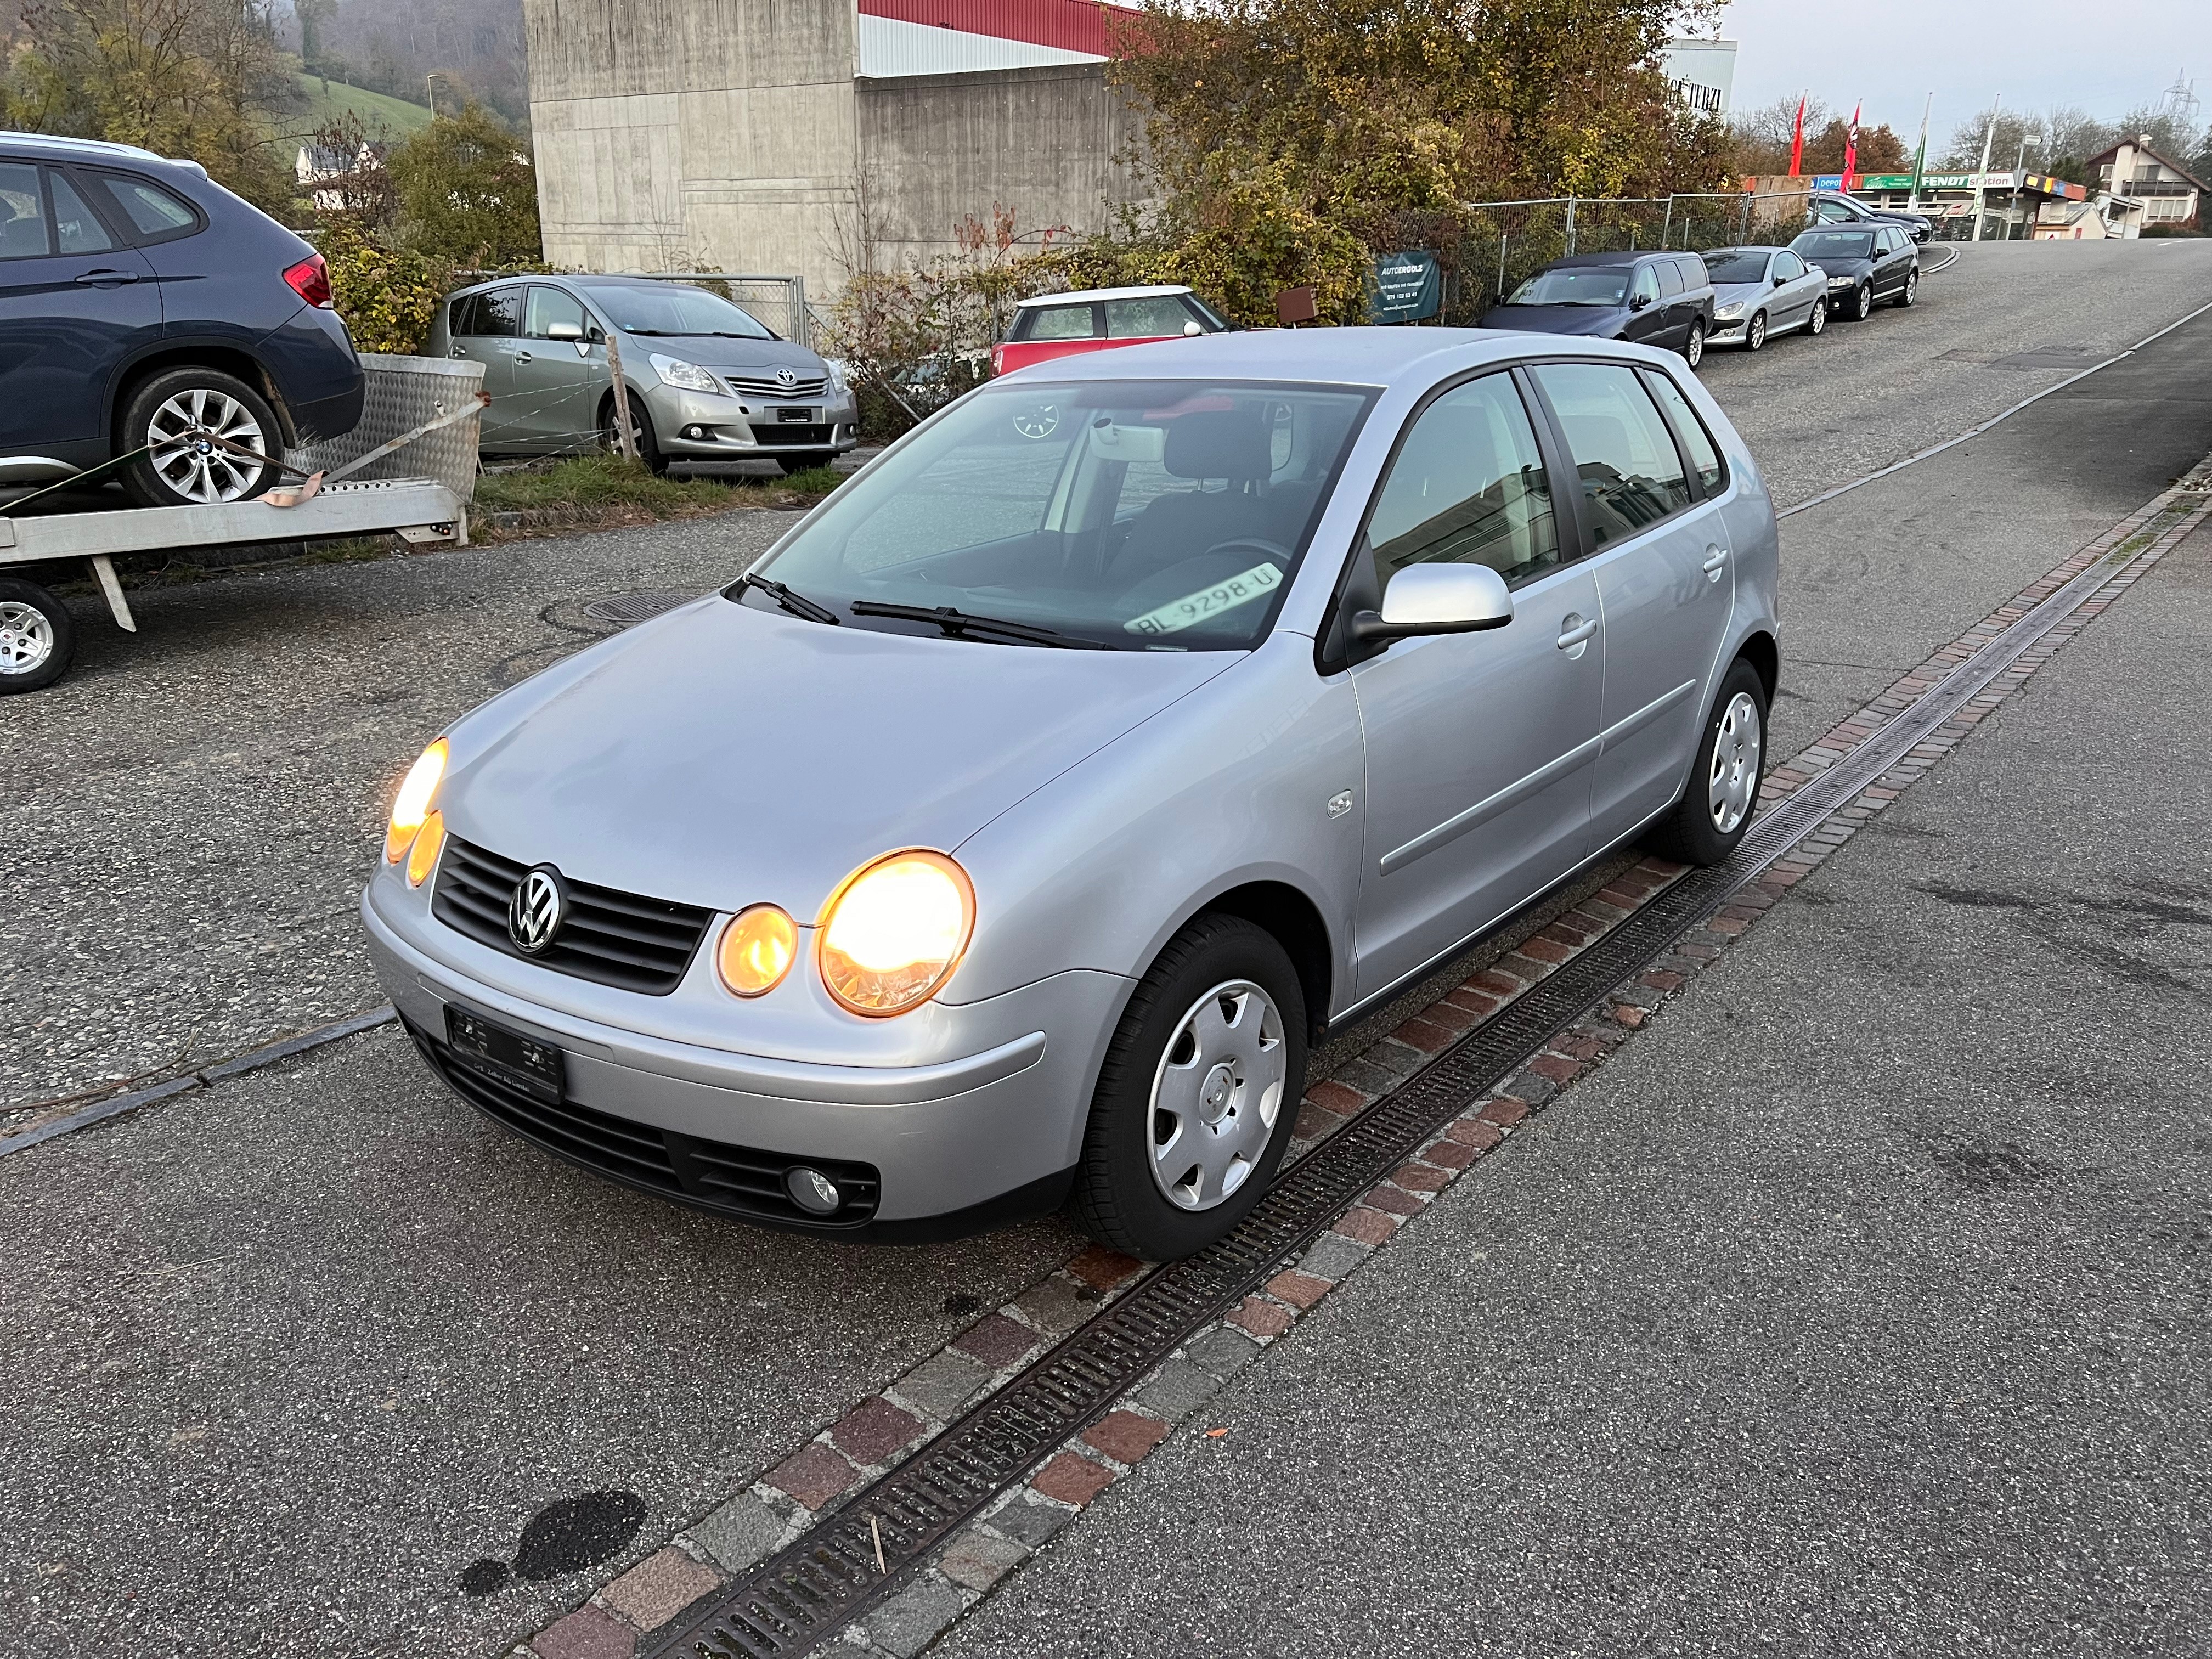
[76,225]
[498,312]
[1693,271]
[1788,265]
[1137,319]
[548,305]
[1645,287]
[1705,455]
[461,316]
[1468,487]
[22,213]
[1631,474]
[155,214]
[1670,278]
[1064,323]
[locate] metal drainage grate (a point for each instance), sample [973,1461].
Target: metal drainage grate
[628,610]
[815,1586]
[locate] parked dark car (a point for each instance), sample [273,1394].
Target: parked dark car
[143,305]
[1654,298]
[1866,265]
[1830,207]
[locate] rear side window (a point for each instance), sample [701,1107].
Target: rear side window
[1670,278]
[1693,271]
[1468,487]
[1145,319]
[1705,455]
[22,213]
[1631,474]
[1066,323]
[75,224]
[155,214]
[498,313]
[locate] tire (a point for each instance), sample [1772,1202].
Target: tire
[1244,1071]
[171,411]
[1861,302]
[1726,774]
[1816,320]
[641,430]
[37,637]
[1754,332]
[805,463]
[1911,292]
[1693,349]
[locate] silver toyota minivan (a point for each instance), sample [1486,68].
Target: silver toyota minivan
[706,380]
[1001,840]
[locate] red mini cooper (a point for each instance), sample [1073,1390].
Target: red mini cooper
[1057,324]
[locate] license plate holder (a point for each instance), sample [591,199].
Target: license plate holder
[800,416]
[508,1056]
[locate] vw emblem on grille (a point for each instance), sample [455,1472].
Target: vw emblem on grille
[534,915]
[787,376]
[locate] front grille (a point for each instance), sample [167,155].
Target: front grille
[767,386]
[771,434]
[738,1181]
[635,944]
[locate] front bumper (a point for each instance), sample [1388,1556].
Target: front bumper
[927,1151]
[703,426]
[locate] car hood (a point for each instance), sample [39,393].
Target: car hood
[1558,319]
[1838,267]
[722,756]
[1728,294]
[714,351]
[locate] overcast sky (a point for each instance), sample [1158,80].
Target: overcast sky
[2102,57]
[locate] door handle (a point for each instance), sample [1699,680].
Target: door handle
[523,357]
[455,351]
[1575,632]
[1715,559]
[105,278]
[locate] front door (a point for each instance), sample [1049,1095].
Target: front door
[1660,554]
[1479,745]
[73,305]
[557,376]
[483,329]
[1647,316]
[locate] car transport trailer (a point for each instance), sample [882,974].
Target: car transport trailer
[37,634]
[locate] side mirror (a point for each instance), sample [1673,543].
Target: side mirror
[564,331]
[1638,301]
[1191,328]
[1780,281]
[1438,599]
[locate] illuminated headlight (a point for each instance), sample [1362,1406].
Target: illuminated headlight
[756,950]
[688,377]
[894,932]
[1729,314]
[412,803]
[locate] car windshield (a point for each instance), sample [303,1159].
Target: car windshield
[673,308]
[1818,245]
[1737,265]
[1138,515]
[1581,285]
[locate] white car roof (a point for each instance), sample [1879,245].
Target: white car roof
[1085,295]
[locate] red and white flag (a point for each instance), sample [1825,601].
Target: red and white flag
[1797,137]
[1851,149]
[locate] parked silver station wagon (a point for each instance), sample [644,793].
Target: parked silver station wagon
[1002,839]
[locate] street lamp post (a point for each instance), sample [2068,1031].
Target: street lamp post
[2019,176]
[1981,191]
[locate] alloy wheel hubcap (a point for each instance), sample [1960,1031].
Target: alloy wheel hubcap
[1758,332]
[1217,1095]
[27,638]
[185,457]
[1735,777]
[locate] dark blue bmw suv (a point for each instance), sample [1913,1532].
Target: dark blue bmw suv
[143,305]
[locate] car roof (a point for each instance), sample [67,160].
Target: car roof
[1627,258]
[52,147]
[1329,356]
[1079,295]
[1746,247]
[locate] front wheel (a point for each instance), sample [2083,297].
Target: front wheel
[1693,349]
[209,438]
[1909,292]
[641,433]
[1716,809]
[1754,333]
[1198,1094]
[1862,302]
[1817,320]
[37,637]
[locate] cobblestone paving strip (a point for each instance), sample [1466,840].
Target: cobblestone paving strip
[814,1479]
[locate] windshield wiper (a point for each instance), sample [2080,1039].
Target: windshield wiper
[798,603]
[957,622]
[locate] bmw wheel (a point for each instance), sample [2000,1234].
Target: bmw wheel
[1817,320]
[1198,1094]
[209,438]
[1716,805]
[1754,332]
[37,637]
[1693,349]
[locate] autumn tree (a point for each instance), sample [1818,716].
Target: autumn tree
[467,191]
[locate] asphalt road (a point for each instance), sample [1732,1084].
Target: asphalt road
[1855,1308]
[290,1355]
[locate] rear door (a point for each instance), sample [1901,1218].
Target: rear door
[553,399]
[1674,301]
[1479,746]
[485,328]
[73,305]
[1660,556]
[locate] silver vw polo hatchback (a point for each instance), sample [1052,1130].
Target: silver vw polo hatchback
[1002,838]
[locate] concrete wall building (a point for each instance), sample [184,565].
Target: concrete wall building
[1703,73]
[738,134]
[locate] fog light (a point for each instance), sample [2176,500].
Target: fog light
[694,433]
[812,1190]
[423,856]
[756,950]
